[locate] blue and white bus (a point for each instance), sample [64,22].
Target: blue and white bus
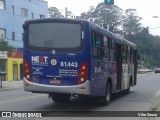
[65,57]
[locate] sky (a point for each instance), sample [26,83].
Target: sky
[145,9]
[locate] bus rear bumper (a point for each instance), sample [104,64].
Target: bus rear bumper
[83,89]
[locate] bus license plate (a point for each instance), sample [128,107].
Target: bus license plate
[55,81]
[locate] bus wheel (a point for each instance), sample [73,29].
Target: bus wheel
[127,91]
[60,98]
[107,98]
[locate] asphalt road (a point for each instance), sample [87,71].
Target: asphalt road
[140,98]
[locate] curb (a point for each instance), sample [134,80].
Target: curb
[7,89]
[145,74]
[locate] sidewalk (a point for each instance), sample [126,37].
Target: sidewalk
[11,85]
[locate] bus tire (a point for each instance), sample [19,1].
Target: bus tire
[108,92]
[127,91]
[60,98]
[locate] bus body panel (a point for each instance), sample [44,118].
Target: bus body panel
[102,72]
[58,69]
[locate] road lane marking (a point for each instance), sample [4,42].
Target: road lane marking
[19,99]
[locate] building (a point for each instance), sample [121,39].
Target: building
[13,13]
[15,66]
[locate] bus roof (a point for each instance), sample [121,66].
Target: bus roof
[55,19]
[92,25]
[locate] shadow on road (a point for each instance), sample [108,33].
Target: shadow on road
[80,104]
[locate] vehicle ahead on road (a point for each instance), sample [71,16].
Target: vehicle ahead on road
[157,70]
[64,57]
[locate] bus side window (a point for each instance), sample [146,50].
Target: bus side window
[124,53]
[109,48]
[131,55]
[105,48]
[96,39]
[96,52]
[112,50]
[96,45]
[105,39]
[128,55]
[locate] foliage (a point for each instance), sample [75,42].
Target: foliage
[88,15]
[108,17]
[4,46]
[54,12]
[131,22]
[148,45]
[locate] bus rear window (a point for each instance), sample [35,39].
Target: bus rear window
[60,36]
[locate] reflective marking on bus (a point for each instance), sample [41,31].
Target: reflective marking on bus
[82,34]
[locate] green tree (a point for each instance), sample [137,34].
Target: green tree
[54,12]
[131,22]
[148,45]
[4,46]
[89,15]
[108,17]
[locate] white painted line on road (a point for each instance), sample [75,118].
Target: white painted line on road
[23,98]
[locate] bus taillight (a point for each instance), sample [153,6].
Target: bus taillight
[83,73]
[27,73]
